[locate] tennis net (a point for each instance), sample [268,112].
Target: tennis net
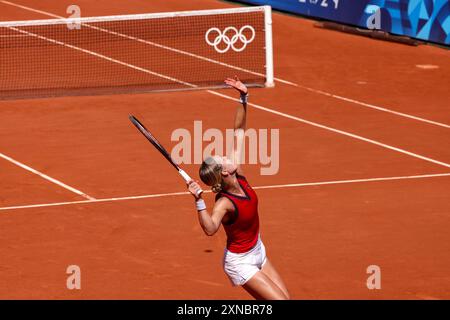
[135,53]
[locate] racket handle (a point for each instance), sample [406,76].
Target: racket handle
[187,178]
[184,175]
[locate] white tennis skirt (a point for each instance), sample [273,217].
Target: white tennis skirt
[241,267]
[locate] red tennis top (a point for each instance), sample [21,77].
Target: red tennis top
[243,229]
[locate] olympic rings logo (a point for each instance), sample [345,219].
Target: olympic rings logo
[230,36]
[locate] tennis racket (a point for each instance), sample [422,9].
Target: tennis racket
[160,148]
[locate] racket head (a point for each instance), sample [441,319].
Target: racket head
[160,148]
[152,140]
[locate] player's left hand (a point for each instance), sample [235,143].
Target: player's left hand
[237,84]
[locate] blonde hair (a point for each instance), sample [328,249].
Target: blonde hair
[211,174]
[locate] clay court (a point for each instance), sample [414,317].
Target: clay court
[364,175]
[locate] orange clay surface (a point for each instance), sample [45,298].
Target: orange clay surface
[321,238]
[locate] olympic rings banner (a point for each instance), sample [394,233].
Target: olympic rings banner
[220,36]
[427,20]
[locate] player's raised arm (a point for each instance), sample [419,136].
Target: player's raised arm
[240,120]
[241,112]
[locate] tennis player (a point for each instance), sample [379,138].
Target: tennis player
[236,208]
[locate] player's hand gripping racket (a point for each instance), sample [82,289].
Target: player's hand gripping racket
[160,148]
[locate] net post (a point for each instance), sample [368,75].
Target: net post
[269,46]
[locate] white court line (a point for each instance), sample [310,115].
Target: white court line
[368,105]
[291,185]
[234,99]
[46,177]
[354,181]
[331,95]
[415,155]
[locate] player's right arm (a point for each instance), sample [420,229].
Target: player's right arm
[210,223]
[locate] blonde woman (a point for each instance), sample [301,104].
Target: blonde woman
[236,208]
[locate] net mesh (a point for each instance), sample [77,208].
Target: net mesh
[131,54]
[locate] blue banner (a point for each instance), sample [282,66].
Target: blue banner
[427,20]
